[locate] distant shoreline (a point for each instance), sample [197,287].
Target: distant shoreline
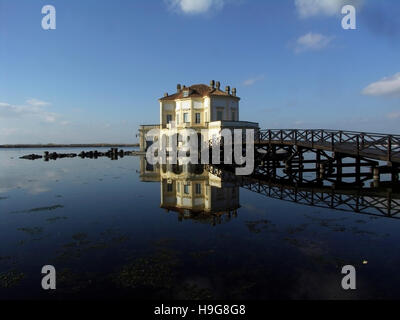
[90,145]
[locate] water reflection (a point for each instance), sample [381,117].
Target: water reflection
[193,192]
[209,192]
[101,225]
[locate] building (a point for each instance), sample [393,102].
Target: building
[198,107]
[192,191]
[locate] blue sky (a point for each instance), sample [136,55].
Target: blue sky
[99,74]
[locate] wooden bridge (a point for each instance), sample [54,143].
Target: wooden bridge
[332,149]
[326,168]
[369,145]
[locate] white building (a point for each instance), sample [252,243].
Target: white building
[199,107]
[191,190]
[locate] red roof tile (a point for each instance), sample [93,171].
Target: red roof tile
[198,91]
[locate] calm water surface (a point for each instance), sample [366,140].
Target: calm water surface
[104,230]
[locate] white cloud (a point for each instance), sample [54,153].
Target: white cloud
[8,131]
[7,110]
[394,115]
[312,41]
[195,6]
[310,8]
[251,81]
[37,103]
[32,108]
[385,87]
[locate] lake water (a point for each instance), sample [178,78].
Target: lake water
[113,230]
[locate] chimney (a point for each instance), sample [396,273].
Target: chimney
[212,84]
[166,94]
[178,87]
[228,89]
[234,92]
[218,85]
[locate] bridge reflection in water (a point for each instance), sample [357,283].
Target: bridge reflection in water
[210,194]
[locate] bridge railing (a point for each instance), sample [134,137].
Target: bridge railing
[382,145]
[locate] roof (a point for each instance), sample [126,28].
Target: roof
[199,91]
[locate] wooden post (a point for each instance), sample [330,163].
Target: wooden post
[312,138]
[377,177]
[362,140]
[395,174]
[339,168]
[389,204]
[301,166]
[321,170]
[358,171]
[318,165]
[269,137]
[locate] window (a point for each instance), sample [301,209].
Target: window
[186,93]
[186,117]
[219,115]
[233,115]
[186,189]
[198,188]
[178,187]
[169,187]
[197,117]
[169,118]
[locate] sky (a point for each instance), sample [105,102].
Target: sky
[100,73]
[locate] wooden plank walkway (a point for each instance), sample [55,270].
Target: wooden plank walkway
[368,145]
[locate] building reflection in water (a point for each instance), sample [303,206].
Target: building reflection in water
[210,194]
[193,192]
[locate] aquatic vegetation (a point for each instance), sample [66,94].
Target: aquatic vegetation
[297,229]
[54,219]
[194,292]
[4,198]
[156,271]
[163,242]
[80,236]
[259,226]
[50,208]
[361,221]
[296,242]
[358,231]
[10,279]
[120,239]
[72,282]
[81,244]
[202,254]
[7,260]
[32,231]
